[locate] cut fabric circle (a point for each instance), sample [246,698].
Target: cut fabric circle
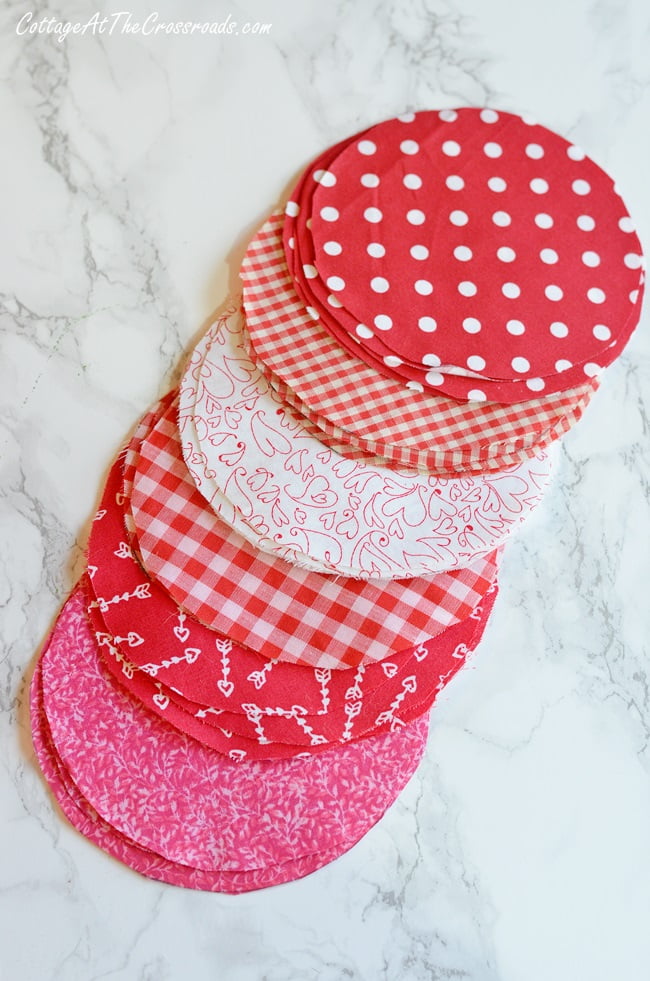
[285,731]
[276,710]
[285,490]
[356,447]
[267,604]
[192,806]
[469,237]
[195,678]
[408,426]
[88,822]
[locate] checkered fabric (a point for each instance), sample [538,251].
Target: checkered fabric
[367,450]
[281,611]
[413,429]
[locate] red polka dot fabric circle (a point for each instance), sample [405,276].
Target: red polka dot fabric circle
[405,423]
[487,253]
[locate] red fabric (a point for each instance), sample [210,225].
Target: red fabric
[357,448]
[417,429]
[488,182]
[199,680]
[282,730]
[265,603]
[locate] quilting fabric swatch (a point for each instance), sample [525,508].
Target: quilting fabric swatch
[191,805]
[268,604]
[92,826]
[282,489]
[404,423]
[354,447]
[349,705]
[511,251]
[193,677]
[235,702]
[284,731]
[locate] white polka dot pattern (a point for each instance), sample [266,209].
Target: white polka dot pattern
[447,229]
[353,403]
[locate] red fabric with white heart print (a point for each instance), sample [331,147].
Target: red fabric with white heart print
[268,604]
[196,678]
[191,805]
[409,426]
[283,731]
[141,629]
[398,691]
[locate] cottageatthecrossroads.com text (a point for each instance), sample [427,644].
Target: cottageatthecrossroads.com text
[124,23]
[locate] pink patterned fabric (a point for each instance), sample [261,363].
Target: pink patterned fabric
[88,822]
[266,603]
[189,804]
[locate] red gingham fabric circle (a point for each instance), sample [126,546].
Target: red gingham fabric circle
[82,815]
[436,192]
[267,604]
[287,490]
[357,447]
[198,679]
[191,805]
[412,428]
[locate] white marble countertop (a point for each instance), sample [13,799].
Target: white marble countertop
[133,169]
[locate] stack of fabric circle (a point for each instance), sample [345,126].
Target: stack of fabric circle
[298,548]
